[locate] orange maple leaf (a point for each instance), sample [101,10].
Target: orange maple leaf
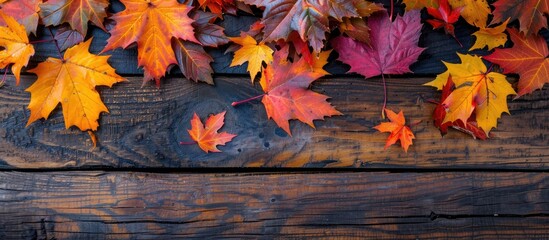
[75,12]
[252,52]
[24,11]
[218,6]
[152,24]
[71,81]
[528,57]
[207,136]
[530,13]
[17,49]
[398,130]
[286,91]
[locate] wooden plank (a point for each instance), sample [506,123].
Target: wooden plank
[146,124]
[101,205]
[439,47]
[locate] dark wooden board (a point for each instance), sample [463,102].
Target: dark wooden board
[121,205]
[146,124]
[439,47]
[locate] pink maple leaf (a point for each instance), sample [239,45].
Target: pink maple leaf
[393,47]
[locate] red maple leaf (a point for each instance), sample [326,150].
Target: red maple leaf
[529,57]
[445,17]
[530,13]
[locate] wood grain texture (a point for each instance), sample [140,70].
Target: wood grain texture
[146,124]
[120,205]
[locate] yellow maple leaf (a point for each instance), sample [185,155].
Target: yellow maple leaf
[477,90]
[17,49]
[475,12]
[320,61]
[439,81]
[252,52]
[71,81]
[490,37]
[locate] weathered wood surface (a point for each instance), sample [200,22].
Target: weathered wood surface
[145,126]
[121,205]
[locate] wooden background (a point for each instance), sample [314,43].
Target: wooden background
[335,181]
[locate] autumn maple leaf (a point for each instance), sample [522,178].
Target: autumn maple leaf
[71,81]
[193,61]
[252,52]
[152,24]
[311,19]
[490,37]
[287,95]
[207,33]
[218,6]
[16,47]
[477,89]
[444,16]
[24,11]
[475,12]
[393,47]
[392,50]
[356,27]
[75,12]
[439,114]
[530,13]
[529,57]
[66,37]
[398,130]
[206,135]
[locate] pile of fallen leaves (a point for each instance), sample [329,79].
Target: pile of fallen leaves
[285,51]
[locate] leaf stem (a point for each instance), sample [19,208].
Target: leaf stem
[384,97]
[56,45]
[93,138]
[234,104]
[42,41]
[392,9]
[187,143]
[3,81]
[457,40]
[415,123]
[433,101]
[490,68]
